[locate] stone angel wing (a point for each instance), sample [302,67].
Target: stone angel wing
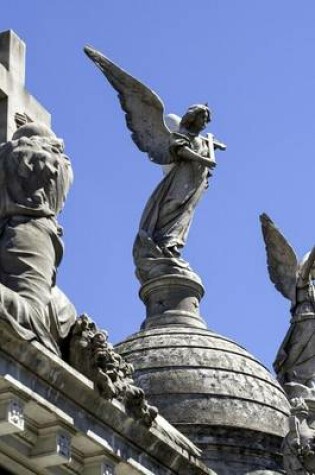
[281,259]
[143,108]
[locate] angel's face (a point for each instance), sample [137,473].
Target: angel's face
[201,120]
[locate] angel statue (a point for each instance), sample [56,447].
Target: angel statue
[35,177]
[187,159]
[295,361]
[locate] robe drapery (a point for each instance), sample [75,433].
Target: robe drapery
[35,178]
[167,217]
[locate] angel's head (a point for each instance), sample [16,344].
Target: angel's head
[196,118]
[37,131]
[39,155]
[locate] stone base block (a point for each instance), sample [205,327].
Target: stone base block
[172,300]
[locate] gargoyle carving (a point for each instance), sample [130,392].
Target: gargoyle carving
[94,356]
[299,443]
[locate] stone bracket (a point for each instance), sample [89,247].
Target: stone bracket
[98,466]
[11,415]
[52,449]
[131,467]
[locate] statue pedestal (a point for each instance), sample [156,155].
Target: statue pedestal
[172,300]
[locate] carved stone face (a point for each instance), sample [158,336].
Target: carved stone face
[196,118]
[201,120]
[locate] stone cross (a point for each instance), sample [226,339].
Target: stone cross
[14,99]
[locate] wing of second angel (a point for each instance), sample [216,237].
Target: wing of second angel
[143,108]
[281,258]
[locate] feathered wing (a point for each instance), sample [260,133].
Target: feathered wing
[281,259]
[143,108]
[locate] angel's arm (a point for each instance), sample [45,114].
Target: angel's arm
[180,148]
[187,154]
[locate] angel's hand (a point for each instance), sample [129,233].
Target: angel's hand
[186,153]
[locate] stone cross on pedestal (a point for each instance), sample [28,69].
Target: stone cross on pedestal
[14,99]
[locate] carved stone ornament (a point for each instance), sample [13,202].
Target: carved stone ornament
[299,443]
[35,176]
[94,356]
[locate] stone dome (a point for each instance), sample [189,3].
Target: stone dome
[214,392]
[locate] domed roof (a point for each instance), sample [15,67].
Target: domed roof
[215,392]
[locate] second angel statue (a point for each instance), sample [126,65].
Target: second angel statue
[188,161]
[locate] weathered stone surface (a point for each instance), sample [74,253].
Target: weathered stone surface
[172,299]
[35,177]
[92,355]
[69,427]
[216,393]
[235,451]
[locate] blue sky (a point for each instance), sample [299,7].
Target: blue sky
[253,62]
